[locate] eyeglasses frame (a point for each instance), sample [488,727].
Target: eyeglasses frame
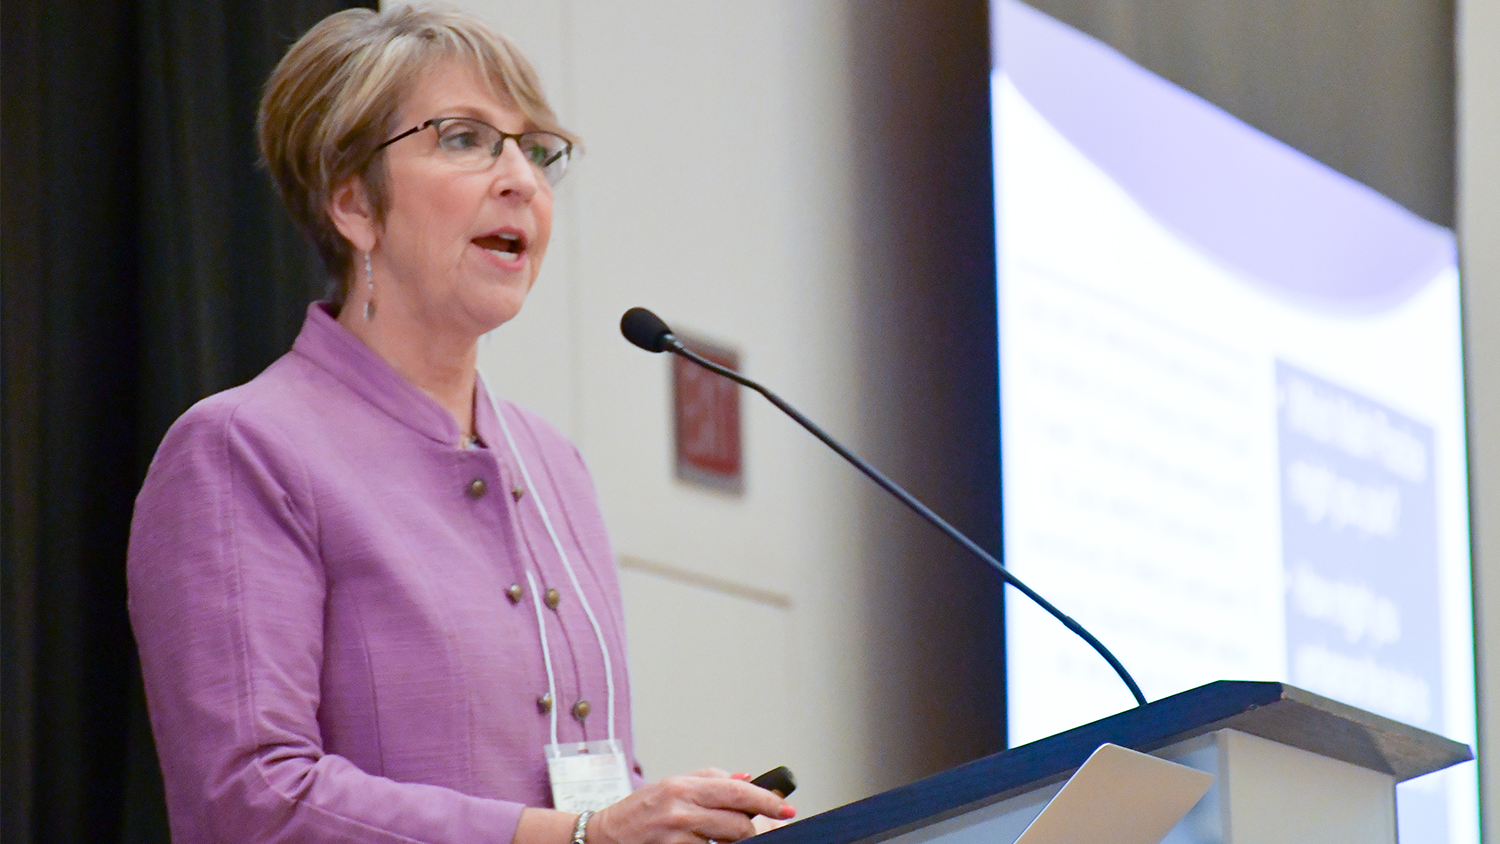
[436,123]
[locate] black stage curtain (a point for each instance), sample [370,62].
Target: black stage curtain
[145,263]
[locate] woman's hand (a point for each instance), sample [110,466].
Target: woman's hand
[708,805]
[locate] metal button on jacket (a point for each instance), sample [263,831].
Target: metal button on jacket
[581,709]
[476,488]
[517,493]
[514,593]
[544,703]
[553,598]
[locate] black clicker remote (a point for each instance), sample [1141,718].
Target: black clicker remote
[778,780]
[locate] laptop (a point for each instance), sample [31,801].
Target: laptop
[1119,796]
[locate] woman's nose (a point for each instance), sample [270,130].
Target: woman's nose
[514,174]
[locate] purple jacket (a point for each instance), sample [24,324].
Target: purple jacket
[318,586]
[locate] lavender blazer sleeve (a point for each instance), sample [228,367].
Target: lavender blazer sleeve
[319,581]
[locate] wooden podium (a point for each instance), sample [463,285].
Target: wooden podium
[1289,767]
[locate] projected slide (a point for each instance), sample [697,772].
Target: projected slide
[1231,412]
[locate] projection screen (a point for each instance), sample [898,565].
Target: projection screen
[1232,420]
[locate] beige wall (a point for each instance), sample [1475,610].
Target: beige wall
[1479,238]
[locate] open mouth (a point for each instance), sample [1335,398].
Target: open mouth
[508,246]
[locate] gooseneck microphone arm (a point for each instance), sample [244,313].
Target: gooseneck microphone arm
[647,330]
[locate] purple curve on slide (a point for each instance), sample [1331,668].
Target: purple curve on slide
[1291,226]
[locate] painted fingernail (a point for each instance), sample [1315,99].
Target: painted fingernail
[741,776]
[787,812]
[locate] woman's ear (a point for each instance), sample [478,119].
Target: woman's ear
[353,214]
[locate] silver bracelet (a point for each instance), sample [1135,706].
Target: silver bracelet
[581,827]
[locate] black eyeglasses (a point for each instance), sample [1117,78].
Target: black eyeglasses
[470,144]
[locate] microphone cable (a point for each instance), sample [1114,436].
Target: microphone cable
[647,330]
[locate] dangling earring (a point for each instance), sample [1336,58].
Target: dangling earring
[370,285]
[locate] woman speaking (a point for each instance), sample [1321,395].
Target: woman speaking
[373,602]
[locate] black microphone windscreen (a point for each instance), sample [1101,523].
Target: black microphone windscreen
[645,329]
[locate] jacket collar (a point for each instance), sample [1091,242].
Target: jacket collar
[332,348]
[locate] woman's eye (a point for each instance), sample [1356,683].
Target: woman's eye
[535,152]
[459,139]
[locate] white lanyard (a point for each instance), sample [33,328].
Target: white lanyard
[609,675]
[541,626]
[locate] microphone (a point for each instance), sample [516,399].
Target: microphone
[647,330]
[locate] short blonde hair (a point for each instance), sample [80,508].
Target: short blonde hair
[332,100]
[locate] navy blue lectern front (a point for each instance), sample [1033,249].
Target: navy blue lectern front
[1289,767]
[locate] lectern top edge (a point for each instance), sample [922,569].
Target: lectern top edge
[1339,731]
[1274,711]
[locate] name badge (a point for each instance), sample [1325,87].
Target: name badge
[587,776]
